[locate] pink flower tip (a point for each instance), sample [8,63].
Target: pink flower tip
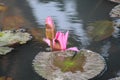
[49,21]
[73,49]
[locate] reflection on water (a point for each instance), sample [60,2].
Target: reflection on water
[105,49]
[5,64]
[118,73]
[64,14]
[116,33]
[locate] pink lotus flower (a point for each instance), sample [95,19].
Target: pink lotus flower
[56,41]
[60,42]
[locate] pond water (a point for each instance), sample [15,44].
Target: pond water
[72,15]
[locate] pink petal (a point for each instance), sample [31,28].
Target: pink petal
[61,38]
[57,35]
[73,49]
[66,36]
[49,21]
[64,42]
[47,41]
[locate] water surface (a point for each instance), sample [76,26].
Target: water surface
[72,15]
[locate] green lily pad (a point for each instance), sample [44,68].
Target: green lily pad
[100,30]
[70,64]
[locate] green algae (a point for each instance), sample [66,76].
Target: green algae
[70,64]
[1,34]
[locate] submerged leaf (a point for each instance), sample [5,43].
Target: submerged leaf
[5,78]
[37,33]
[13,22]
[100,30]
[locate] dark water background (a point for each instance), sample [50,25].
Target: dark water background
[72,15]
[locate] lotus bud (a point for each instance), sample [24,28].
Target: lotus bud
[50,28]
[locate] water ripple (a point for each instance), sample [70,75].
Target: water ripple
[65,16]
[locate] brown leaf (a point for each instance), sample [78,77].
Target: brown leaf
[37,33]
[5,78]
[13,22]
[3,8]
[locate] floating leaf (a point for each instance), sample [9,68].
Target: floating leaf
[10,37]
[115,12]
[100,30]
[1,34]
[5,50]
[59,65]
